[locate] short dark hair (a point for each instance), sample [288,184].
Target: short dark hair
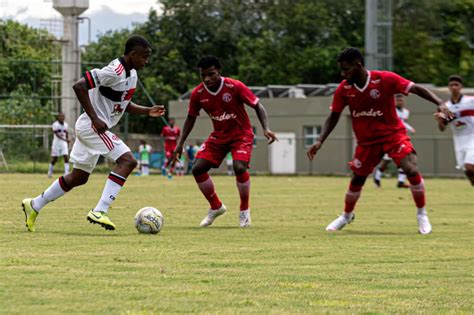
[455,77]
[209,61]
[399,95]
[134,41]
[351,55]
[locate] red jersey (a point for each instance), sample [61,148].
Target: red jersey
[225,107]
[171,135]
[372,108]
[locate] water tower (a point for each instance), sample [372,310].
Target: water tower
[71,54]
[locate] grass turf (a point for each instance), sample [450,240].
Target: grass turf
[284,263]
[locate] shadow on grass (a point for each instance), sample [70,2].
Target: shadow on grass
[364,232]
[89,233]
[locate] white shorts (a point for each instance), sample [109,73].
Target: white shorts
[465,156]
[59,148]
[89,145]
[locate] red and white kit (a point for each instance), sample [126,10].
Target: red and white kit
[110,91]
[59,147]
[375,122]
[232,129]
[171,135]
[463,129]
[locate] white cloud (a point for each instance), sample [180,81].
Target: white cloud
[22,9]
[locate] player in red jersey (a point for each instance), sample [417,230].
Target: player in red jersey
[171,134]
[370,97]
[223,99]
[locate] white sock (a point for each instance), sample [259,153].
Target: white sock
[51,169]
[66,168]
[111,190]
[378,174]
[401,176]
[420,211]
[147,171]
[56,190]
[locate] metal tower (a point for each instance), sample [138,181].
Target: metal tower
[71,54]
[378,34]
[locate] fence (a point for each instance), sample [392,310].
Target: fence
[28,148]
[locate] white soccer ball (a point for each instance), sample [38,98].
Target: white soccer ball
[149,220]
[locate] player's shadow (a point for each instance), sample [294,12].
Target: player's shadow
[198,228]
[363,232]
[89,234]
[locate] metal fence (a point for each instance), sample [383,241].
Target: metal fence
[28,148]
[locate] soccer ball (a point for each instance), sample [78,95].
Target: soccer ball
[149,220]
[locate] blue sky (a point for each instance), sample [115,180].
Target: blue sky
[104,14]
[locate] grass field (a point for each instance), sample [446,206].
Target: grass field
[284,263]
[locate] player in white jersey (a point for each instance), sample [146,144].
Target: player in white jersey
[144,150]
[403,113]
[105,94]
[462,126]
[60,144]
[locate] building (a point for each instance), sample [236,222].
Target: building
[297,114]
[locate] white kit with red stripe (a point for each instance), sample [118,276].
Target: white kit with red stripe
[463,123]
[463,130]
[110,91]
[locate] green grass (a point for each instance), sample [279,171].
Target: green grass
[284,263]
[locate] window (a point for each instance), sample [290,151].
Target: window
[310,134]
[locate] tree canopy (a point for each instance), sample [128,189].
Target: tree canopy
[261,43]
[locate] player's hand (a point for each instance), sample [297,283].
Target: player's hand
[441,118]
[157,111]
[442,108]
[99,125]
[270,135]
[314,149]
[177,155]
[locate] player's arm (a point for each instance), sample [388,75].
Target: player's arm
[187,128]
[442,122]
[154,111]
[431,97]
[59,137]
[262,117]
[328,127]
[82,93]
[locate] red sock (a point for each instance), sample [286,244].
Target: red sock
[417,187]
[243,184]
[206,186]
[352,195]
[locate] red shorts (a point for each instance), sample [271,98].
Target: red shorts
[367,157]
[169,149]
[215,149]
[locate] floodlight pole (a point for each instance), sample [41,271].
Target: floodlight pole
[71,55]
[378,34]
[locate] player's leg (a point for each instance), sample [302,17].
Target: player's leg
[350,200]
[378,174]
[469,171]
[242,177]
[54,159]
[409,165]
[200,172]
[66,164]
[467,163]
[241,155]
[364,161]
[33,206]
[125,164]
[401,179]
